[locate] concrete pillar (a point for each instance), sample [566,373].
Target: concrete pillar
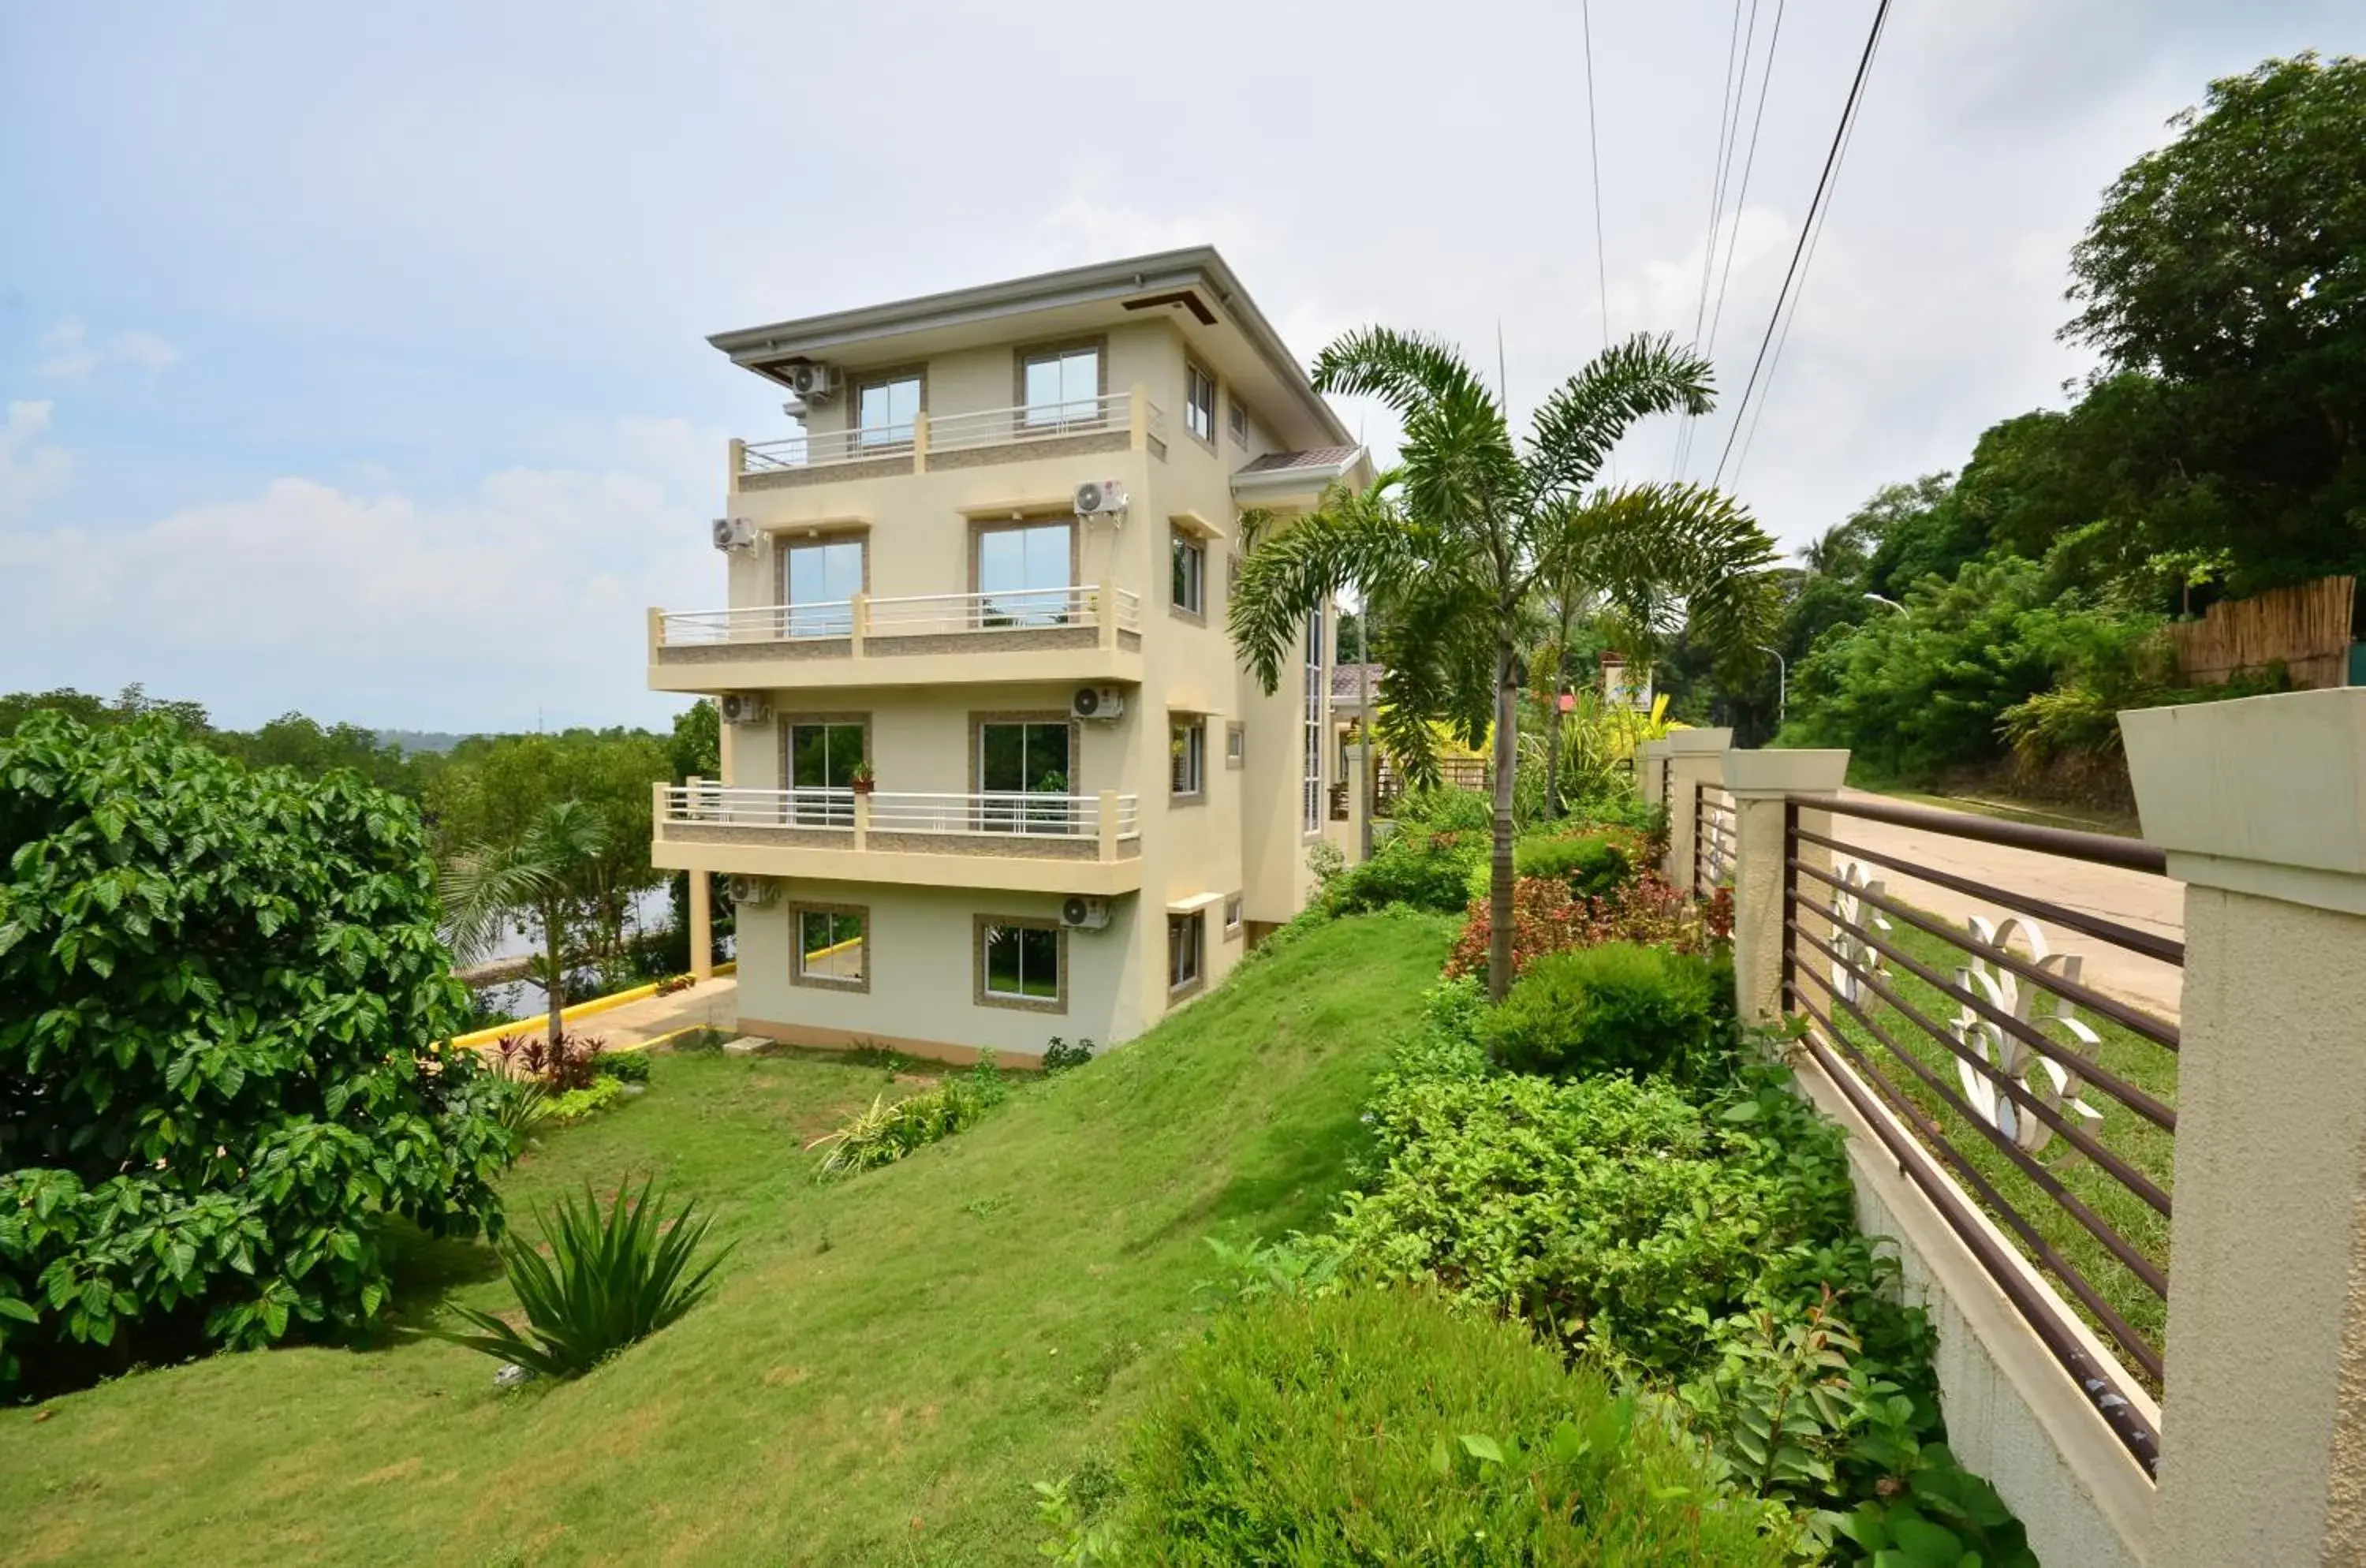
[726,751]
[920,442]
[2261,805]
[1138,418]
[1106,825]
[702,925]
[1693,755]
[858,624]
[1360,757]
[1761,784]
[739,464]
[1651,771]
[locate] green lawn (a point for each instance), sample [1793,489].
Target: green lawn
[887,1365]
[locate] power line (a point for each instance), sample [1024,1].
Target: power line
[1749,162]
[1807,227]
[1775,362]
[1593,151]
[1728,135]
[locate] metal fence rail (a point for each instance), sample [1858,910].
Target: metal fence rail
[1715,838]
[1996,1096]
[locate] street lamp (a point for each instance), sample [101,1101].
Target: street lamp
[1782,682]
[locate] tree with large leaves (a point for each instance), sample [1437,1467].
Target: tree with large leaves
[1447,548]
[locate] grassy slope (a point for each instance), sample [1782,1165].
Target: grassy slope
[887,1366]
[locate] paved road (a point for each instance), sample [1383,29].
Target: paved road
[715,1003]
[2152,904]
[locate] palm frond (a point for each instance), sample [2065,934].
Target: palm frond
[1404,370]
[1577,425]
[1352,538]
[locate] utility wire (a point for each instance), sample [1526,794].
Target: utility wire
[1742,196]
[1737,89]
[1594,151]
[1807,228]
[1775,362]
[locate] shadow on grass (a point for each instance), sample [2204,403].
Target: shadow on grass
[1287,1182]
[426,1272]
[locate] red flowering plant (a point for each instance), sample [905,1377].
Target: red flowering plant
[1546,917]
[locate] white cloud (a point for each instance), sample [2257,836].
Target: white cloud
[524,595]
[29,466]
[68,352]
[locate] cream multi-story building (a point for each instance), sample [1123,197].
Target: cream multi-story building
[991,770]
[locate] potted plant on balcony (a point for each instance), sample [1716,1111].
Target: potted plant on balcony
[859,780]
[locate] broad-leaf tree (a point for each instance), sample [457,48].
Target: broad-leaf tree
[220,992]
[1446,547]
[548,873]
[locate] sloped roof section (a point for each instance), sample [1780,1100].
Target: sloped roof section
[1336,457]
[1346,681]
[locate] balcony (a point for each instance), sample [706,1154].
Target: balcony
[1117,423]
[1038,633]
[1053,843]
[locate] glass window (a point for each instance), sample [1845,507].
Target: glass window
[1015,760]
[1022,962]
[1189,586]
[885,411]
[822,759]
[1310,780]
[1188,740]
[1023,576]
[1236,743]
[1062,388]
[831,949]
[1233,913]
[1199,402]
[1183,935]
[1240,422]
[817,579]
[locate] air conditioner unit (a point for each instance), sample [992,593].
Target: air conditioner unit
[813,383]
[1085,914]
[751,890]
[1100,498]
[745,707]
[1095,702]
[734,533]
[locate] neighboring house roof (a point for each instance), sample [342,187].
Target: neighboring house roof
[1314,467]
[1345,680]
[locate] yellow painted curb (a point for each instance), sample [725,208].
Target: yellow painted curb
[568,1015]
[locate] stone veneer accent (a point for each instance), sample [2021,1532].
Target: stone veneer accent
[744,652]
[826,473]
[1028,450]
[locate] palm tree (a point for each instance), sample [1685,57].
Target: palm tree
[548,873]
[1447,546]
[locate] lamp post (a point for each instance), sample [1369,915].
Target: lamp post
[1782,682]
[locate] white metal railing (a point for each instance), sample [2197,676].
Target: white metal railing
[992,813]
[950,433]
[917,615]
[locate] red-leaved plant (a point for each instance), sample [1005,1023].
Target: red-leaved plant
[573,1063]
[1547,918]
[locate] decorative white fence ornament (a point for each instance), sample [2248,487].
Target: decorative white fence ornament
[2047,1081]
[1854,952]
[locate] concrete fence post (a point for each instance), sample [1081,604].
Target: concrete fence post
[2260,804]
[1760,783]
[1651,771]
[1693,756]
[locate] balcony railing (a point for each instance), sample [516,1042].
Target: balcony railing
[1018,817]
[918,614]
[927,433]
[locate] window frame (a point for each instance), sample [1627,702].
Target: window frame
[797,974]
[1238,417]
[980,925]
[833,812]
[1198,377]
[786,547]
[1042,352]
[1193,730]
[1194,946]
[1182,546]
[1232,917]
[873,381]
[1236,745]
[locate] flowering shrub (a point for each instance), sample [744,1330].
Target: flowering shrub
[1548,917]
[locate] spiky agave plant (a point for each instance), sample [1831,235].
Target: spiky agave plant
[608,1281]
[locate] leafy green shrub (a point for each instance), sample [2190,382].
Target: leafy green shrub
[1618,1007]
[1444,811]
[1428,871]
[582,1104]
[218,989]
[626,1066]
[886,1133]
[606,1283]
[522,1106]
[1059,1055]
[1592,864]
[1383,1427]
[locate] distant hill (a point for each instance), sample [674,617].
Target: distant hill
[420,739]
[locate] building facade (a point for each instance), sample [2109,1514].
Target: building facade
[991,771]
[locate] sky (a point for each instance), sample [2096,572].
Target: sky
[353,360]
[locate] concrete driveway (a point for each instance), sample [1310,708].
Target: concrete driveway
[2151,904]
